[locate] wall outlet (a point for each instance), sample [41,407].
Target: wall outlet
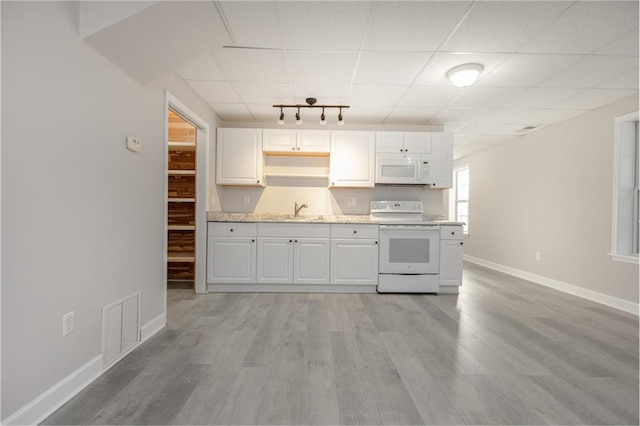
[133,144]
[537,255]
[68,323]
[247,199]
[351,201]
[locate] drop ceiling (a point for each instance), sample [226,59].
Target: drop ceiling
[544,61]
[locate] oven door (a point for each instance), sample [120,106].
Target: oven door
[398,168]
[409,249]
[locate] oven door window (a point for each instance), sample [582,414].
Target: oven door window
[409,250]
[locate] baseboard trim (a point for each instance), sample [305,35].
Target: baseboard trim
[60,393]
[153,326]
[52,399]
[594,296]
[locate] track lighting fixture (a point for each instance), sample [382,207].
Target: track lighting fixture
[311,103]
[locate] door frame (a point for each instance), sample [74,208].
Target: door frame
[202,154]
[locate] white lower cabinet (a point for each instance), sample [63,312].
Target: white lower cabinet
[293,253]
[231,253]
[451,251]
[354,254]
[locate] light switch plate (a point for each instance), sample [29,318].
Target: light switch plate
[133,144]
[351,201]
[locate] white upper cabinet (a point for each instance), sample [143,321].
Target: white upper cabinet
[442,160]
[296,141]
[352,159]
[403,142]
[239,157]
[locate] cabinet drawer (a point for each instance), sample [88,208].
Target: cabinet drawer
[294,230]
[354,231]
[451,232]
[231,229]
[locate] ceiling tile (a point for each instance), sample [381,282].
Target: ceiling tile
[374,95]
[412,26]
[231,112]
[593,98]
[268,113]
[325,93]
[401,115]
[505,116]
[586,26]
[215,91]
[435,73]
[330,25]
[480,128]
[526,70]
[627,45]
[321,67]
[456,115]
[204,68]
[537,97]
[390,67]
[467,138]
[366,114]
[625,81]
[502,26]
[264,93]
[592,71]
[432,97]
[486,97]
[551,116]
[252,65]
[516,130]
[252,23]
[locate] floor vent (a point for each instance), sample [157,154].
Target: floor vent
[120,328]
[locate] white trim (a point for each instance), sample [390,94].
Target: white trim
[625,258]
[594,296]
[202,151]
[153,326]
[60,393]
[52,399]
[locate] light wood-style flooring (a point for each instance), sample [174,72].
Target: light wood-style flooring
[504,351]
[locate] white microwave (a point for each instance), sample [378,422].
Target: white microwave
[404,169]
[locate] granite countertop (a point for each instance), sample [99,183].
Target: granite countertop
[288,218]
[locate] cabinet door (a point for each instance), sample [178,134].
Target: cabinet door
[311,261]
[417,142]
[443,160]
[352,159]
[239,157]
[354,262]
[278,140]
[314,141]
[451,262]
[390,142]
[231,260]
[275,257]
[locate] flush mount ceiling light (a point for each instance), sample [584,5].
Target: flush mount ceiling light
[311,103]
[464,75]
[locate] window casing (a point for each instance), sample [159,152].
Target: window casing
[626,191]
[461,197]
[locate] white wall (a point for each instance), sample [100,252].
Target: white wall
[551,191]
[82,217]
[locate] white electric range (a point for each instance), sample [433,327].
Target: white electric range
[409,257]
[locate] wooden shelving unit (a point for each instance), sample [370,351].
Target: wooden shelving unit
[181,184]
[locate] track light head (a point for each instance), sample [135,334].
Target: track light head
[340,119]
[298,119]
[281,119]
[323,118]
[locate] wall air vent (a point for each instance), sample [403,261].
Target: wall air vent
[120,328]
[526,129]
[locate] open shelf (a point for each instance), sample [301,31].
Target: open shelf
[187,146]
[181,257]
[181,200]
[181,172]
[181,228]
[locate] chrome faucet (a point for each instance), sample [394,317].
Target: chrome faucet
[296,209]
